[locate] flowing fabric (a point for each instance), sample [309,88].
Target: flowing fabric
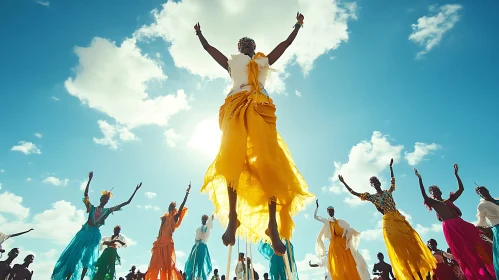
[106,264]
[253,159]
[163,259]
[408,254]
[198,265]
[443,271]
[83,250]
[277,267]
[472,253]
[495,231]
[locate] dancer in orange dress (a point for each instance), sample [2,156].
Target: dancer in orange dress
[163,257]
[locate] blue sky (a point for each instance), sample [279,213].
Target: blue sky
[137,101]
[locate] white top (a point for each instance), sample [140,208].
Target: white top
[238,68]
[203,232]
[240,272]
[324,264]
[352,237]
[3,237]
[487,211]
[110,238]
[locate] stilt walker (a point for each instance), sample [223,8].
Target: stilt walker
[163,259]
[82,252]
[488,210]
[106,264]
[253,182]
[198,265]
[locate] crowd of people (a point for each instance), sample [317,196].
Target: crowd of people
[256,189]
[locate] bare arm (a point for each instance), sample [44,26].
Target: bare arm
[219,57]
[391,168]
[183,203]
[318,218]
[20,233]
[460,190]
[348,187]
[277,52]
[428,200]
[90,176]
[119,206]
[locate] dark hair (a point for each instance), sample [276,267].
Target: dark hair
[433,188]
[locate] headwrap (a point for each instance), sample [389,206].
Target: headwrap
[330,207]
[244,40]
[478,190]
[107,193]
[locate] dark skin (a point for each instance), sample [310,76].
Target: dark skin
[5,265]
[485,194]
[21,271]
[376,184]
[330,211]
[17,234]
[103,201]
[117,231]
[385,270]
[443,210]
[247,48]
[171,210]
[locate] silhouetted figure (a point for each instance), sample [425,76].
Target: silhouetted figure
[21,271]
[4,237]
[385,270]
[5,265]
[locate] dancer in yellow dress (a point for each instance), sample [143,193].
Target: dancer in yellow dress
[344,261]
[410,257]
[253,175]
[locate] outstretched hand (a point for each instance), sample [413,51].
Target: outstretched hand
[31,229]
[391,162]
[317,203]
[456,168]
[341,179]
[138,186]
[189,188]
[299,17]
[417,173]
[197,27]
[90,175]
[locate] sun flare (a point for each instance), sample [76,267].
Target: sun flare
[206,137]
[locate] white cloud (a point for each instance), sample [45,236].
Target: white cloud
[129,241]
[307,216]
[171,137]
[150,195]
[12,204]
[429,30]
[28,179]
[2,170]
[309,273]
[325,29]
[26,148]
[46,3]
[112,135]
[180,254]
[0,186]
[206,137]
[55,98]
[38,135]
[114,80]
[298,93]
[366,255]
[366,159]
[422,230]
[149,207]
[420,151]
[56,181]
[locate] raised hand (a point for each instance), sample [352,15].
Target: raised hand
[456,168]
[341,179]
[317,203]
[138,186]
[299,17]
[391,162]
[417,173]
[197,27]
[90,175]
[189,188]
[30,229]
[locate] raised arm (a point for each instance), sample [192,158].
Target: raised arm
[317,217]
[428,200]
[90,176]
[119,206]
[348,187]
[276,53]
[391,168]
[183,203]
[20,233]
[219,57]
[460,190]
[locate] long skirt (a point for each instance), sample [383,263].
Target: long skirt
[410,257]
[163,261]
[444,272]
[82,252]
[277,268]
[198,265]
[255,162]
[495,231]
[106,264]
[472,253]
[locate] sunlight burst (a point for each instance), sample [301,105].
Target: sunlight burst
[206,137]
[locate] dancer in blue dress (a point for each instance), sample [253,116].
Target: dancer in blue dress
[82,252]
[198,266]
[277,268]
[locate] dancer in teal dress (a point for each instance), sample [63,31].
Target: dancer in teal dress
[277,269]
[199,266]
[82,252]
[488,209]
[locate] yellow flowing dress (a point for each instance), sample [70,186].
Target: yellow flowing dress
[342,265]
[253,159]
[407,252]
